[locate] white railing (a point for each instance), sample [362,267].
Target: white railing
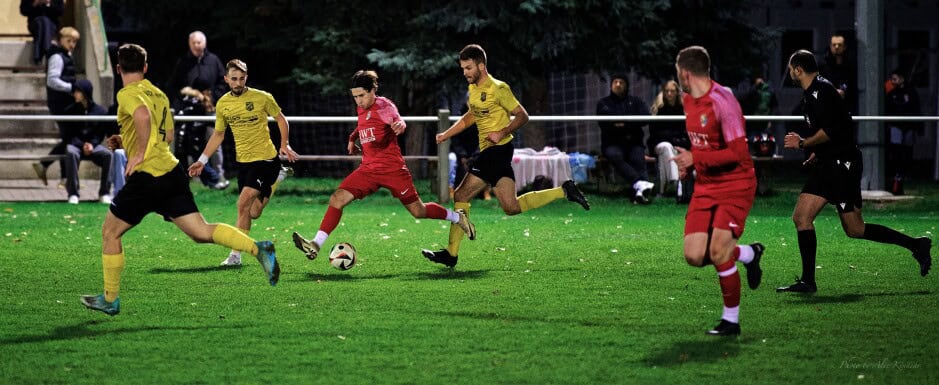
[443,122]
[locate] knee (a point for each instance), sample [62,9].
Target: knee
[694,259]
[510,211]
[801,221]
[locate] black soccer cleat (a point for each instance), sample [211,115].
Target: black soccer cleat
[921,247]
[573,194]
[799,286]
[754,272]
[442,257]
[725,328]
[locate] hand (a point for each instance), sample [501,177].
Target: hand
[195,169]
[87,148]
[441,138]
[353,148]
[132,164]
[791,140]
[684,160]
[495,137]
[114,142]
[288,153]
[398,127]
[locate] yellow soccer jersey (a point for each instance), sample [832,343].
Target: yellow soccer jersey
[247,116]
[158,159]
[491,104]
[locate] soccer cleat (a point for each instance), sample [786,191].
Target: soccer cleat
[268,260]
[442,257]
[221,185]
[921,247]
[468,227]
[284,173]
[309,248]
[234,259]
[725,328]
[574,194]
[799,286]
[754,272]
[97,302]
[41,173]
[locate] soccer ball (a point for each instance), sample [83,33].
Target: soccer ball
[342,256]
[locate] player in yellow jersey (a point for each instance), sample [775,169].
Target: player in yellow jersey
[155,183]
[491,103]
[245,110]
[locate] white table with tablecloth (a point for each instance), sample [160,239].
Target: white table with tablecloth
[550,162]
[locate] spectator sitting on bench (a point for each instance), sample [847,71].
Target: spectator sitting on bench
[622,142]
[665,136]
[84,141]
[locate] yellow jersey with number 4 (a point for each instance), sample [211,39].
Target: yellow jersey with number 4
[158,159]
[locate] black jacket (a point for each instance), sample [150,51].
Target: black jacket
[58,100]
[629,135]
[191,70]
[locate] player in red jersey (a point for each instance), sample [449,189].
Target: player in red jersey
[382,166]
[725,184]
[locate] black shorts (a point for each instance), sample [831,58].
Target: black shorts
[259,175]
[493,163]
[167,195]
[838,181]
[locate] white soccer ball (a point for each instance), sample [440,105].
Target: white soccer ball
[342,256]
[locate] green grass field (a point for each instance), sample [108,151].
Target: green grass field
[553,296]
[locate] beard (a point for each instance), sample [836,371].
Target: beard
[238,91]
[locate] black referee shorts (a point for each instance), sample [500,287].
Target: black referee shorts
[167,195]
[838,181]
[493,163]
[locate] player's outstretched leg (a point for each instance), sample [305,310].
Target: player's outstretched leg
[268,260]
[468,227]
[754,272]
[442,257]
[921,251]
[97,302]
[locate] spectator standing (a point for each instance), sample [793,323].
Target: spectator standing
[902,100]
[840,68]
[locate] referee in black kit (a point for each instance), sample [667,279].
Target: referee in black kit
[834,168]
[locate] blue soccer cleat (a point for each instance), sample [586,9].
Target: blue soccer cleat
[268,260]
[97,302]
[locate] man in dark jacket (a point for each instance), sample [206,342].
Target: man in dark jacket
[198,64]
[84,141]
[42,20]
[622,142]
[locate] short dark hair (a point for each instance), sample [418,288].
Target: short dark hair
[805,60]
[473,52]
[236,64]
[366,79]
[694,59]
[132,58]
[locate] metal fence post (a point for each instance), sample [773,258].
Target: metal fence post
[443,158]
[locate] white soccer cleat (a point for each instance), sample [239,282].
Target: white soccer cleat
[234,259]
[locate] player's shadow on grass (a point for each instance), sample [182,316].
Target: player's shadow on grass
[420,276]
[709,350]
[448,274]
[190,270]
[83,330]
[850,297]
[339,277]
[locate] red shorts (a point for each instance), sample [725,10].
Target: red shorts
[363,183]
[720,207]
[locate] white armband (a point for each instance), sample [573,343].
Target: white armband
[203,159]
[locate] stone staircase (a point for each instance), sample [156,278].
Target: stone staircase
[23,86]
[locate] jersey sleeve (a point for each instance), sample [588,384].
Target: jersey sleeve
[730,118]
[129,101]
[220,124]
[506,98]
[827,111]
[270,105]
[388,112]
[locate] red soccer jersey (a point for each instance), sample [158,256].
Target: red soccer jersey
[380,151]
[718,139]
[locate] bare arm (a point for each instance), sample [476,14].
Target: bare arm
[792,139]
[467,120]
[211,146]
[284,128]
[521,117]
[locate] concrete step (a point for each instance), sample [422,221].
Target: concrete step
[16,53]
[27,129]
[23,85]
[23,169]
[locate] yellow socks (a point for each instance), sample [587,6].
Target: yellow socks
[233,238]
[456,233]
[536,199]
[113,266]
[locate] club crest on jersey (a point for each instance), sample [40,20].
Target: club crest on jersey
[704,120]
[482,97]
[249,106]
